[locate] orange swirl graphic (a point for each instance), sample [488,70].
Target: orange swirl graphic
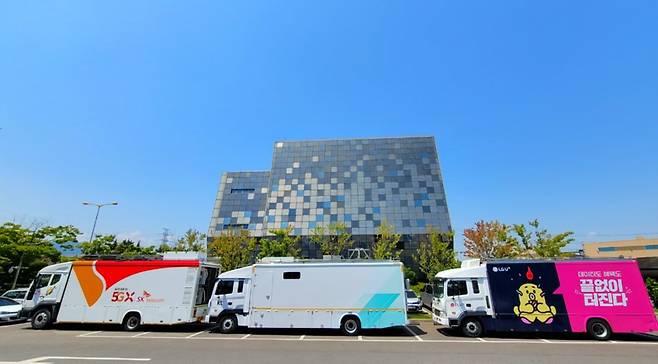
[91,284]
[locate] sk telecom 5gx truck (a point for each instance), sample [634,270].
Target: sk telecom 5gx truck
[284,293]
[171,290]
[594,296]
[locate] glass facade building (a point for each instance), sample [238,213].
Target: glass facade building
[360,182]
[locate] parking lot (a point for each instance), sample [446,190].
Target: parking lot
[419,341]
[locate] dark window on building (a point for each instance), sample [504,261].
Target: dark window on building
[292,275]
[240,286]
[224,287]
[236,226]
[476,287]
[242,190]
[457,288]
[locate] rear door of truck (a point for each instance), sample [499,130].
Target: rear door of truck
[260,313]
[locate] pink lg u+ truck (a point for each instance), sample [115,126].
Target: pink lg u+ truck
[598,297]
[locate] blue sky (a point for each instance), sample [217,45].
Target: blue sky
[541,110]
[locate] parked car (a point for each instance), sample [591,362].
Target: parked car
[426,295]
[9,309]
[413,302]
[17,294]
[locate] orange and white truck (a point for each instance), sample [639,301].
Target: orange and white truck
[171,290]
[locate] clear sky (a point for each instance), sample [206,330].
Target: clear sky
[542,110]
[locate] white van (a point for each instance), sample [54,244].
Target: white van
[129,292]
[284,293]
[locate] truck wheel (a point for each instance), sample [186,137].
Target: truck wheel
[41,319]
[599,329]
[350,326]
[472,327]
[228,324]
[132,322]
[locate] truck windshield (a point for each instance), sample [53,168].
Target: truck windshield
[439,283]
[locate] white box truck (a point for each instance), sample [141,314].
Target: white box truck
[310,294]
[163,291]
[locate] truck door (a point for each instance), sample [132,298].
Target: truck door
[51,292]
[220,302]
[37,289]
[260,312]
[456,305]
[237,300]
[474,300]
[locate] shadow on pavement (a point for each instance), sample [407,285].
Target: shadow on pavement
[116,327]
[555,336]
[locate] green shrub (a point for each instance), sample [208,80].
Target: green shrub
[410,275]
[652,289]
[418,287]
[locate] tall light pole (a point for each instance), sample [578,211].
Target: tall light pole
[98,210]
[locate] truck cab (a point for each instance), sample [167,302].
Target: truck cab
[462,299]
[229,303]
[45,293]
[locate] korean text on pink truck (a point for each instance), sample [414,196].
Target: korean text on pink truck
[598,297]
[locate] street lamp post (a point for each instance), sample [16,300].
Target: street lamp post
[98,210]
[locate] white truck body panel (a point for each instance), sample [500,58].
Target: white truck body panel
[313,294]
[161,291]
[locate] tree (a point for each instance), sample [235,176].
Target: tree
[434,254]
[24,251]
[385,246]
[283,244]
[538,242]
[235,249]
[192,241]
[333,240]
[108,245]
[652,289]
[489,240]
[163,248]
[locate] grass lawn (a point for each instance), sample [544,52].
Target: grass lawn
[419,316]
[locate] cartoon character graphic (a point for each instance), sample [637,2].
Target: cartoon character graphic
[532,303]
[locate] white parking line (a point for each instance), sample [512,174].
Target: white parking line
[24,324]
[360,338]
[412,333]
[141,334]
[481,339]
[90,333]
[37,360]
[195,334]
[244,337]
[546,341]
[302,337]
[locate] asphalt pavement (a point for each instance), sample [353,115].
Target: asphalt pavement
[420,342]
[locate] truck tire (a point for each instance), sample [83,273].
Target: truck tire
[132,322]
[599,329]
[472,327]
[227,324]
[42,319]
[350,326]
